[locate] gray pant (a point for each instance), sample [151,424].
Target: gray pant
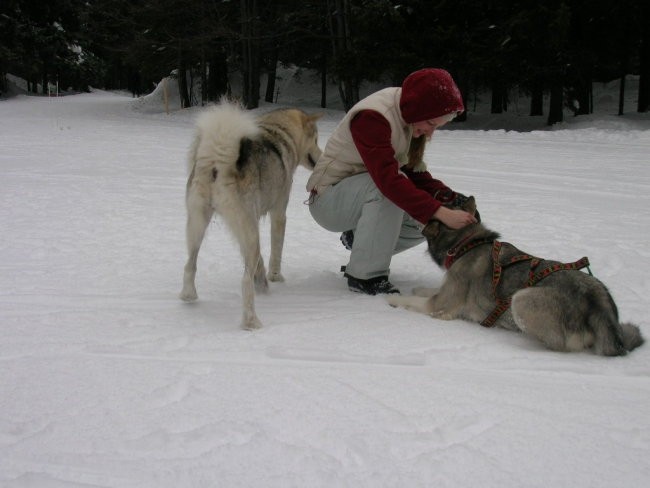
[381,228]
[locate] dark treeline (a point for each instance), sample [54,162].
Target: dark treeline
[557,48]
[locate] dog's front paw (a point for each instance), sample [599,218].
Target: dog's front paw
[421,291]
[276,277]
[443,315]
[394,300]
[251,323]
[188,294]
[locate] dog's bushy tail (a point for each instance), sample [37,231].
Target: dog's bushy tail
[631,336]
[220,130]
[613,338]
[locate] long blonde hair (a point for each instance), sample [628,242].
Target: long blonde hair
[416,154]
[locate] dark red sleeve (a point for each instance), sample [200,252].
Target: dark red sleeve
[371,133]
[424,181]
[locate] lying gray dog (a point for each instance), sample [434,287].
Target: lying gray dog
[495,284]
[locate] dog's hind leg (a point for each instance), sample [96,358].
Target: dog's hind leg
[278,227]
[252,265]
[199,213]
[607,332]
[611,337]
[246,230]
[544,313]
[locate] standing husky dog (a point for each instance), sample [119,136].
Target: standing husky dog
[493,283]
[242,168]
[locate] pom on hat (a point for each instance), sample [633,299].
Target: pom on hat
[429,93]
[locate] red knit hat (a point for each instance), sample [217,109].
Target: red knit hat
[429,93]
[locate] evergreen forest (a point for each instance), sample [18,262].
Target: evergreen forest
[552,50]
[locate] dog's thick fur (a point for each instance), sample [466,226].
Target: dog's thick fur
[569,310]
[242,168]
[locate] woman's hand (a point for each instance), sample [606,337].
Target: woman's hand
[456,219]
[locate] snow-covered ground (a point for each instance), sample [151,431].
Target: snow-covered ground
[108,380]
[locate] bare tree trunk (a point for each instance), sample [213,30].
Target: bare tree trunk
[250,53]
[555,113]
[217,75]
[537,99]
[323,76]
[272,73]
[342,47]
[499,98]
[621,96]
[204,78]
[182,80]
[643,103]
[625,62]
[44,76]
[585,98]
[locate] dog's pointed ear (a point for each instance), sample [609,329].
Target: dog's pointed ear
[470,205]
[432,229]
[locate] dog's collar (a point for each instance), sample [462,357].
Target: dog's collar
[464,245]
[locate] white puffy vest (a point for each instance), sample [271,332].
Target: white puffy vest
[341,159]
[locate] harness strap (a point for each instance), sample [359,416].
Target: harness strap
[461,248]
[496,267]
[503,303]
[537,277]
[501,307]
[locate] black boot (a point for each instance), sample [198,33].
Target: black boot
[372,286]
[347,238]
